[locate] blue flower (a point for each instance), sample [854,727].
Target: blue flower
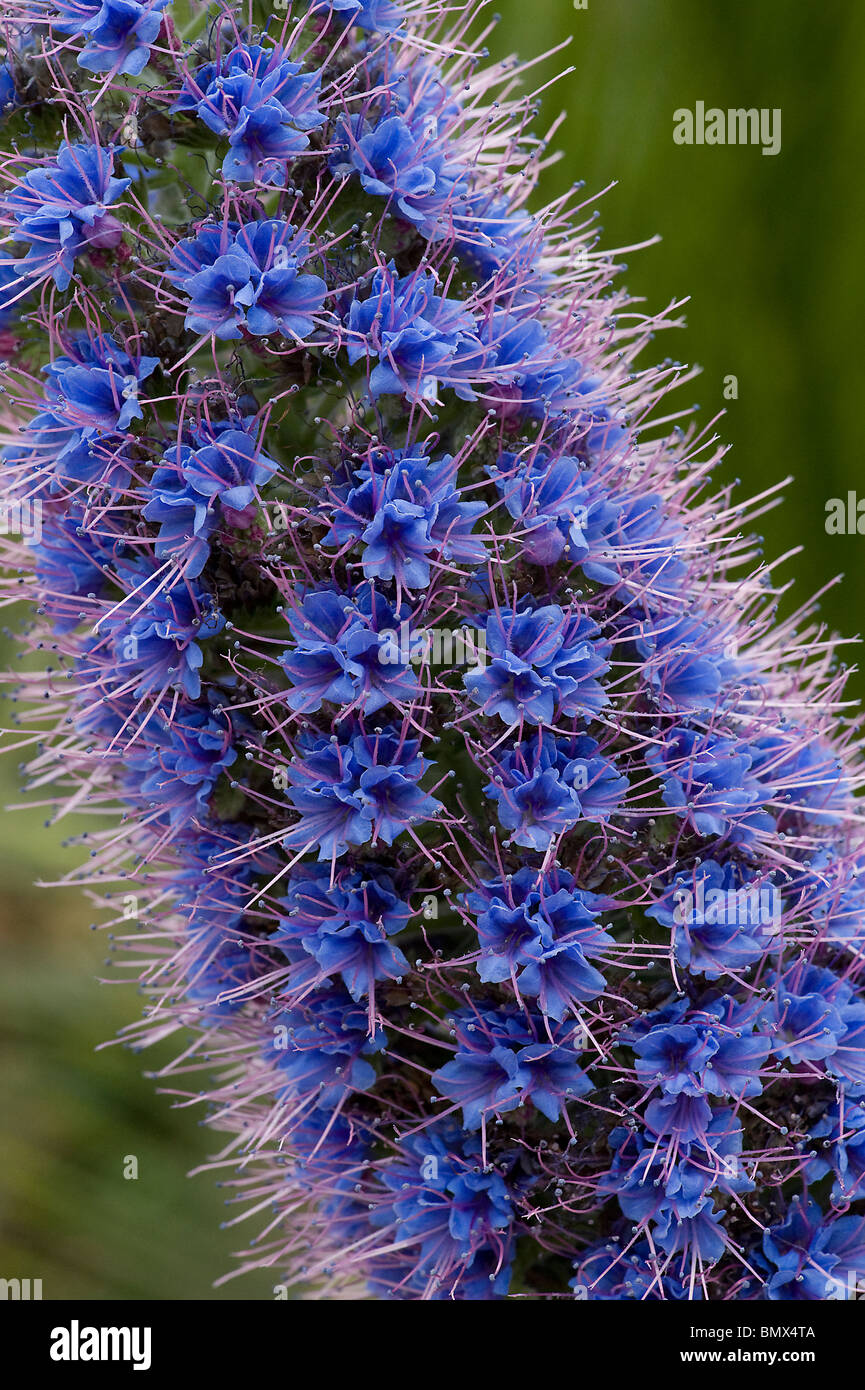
[183,759]
[636,541]
[545,926]
[412,331]
[813,1257]
[70,561]
[848,1060]
[842,1135]
[215,962]
[356,789]
[831,890]
[329,1154]
[389,161]
[262,102]
[405,509]
[498,237]
[616,539]
[8,91]
[232,468]
[504,1059]
[383,16]
[338,653]
[815,1014]
[185,521]
[681,1117]
[320,1048]
[220,296]
[247,276]
[483,1079]
[684,662]
[648,1186]
[805,1016]
[555,502]
[345,925]
[720,916]
[62,207]
[711,1050]
[91,399]
[734,1069]
[675,1057]
[448,1209]
[223,467]
[709,782]
[545,665]
[13,296]
[699,1238]
[520,352]
[547,784]
[401,160]
[158,646]
[632,1273]
[118,32]
[95,388]
[803,771]
[284,299]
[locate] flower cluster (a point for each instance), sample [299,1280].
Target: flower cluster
[497,842]
[247,276]
[405,510]
[117,34]
[262,102]
[61,209]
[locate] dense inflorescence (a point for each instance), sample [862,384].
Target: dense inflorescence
[481,830]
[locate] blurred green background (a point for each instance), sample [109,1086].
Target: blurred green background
[770,248]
